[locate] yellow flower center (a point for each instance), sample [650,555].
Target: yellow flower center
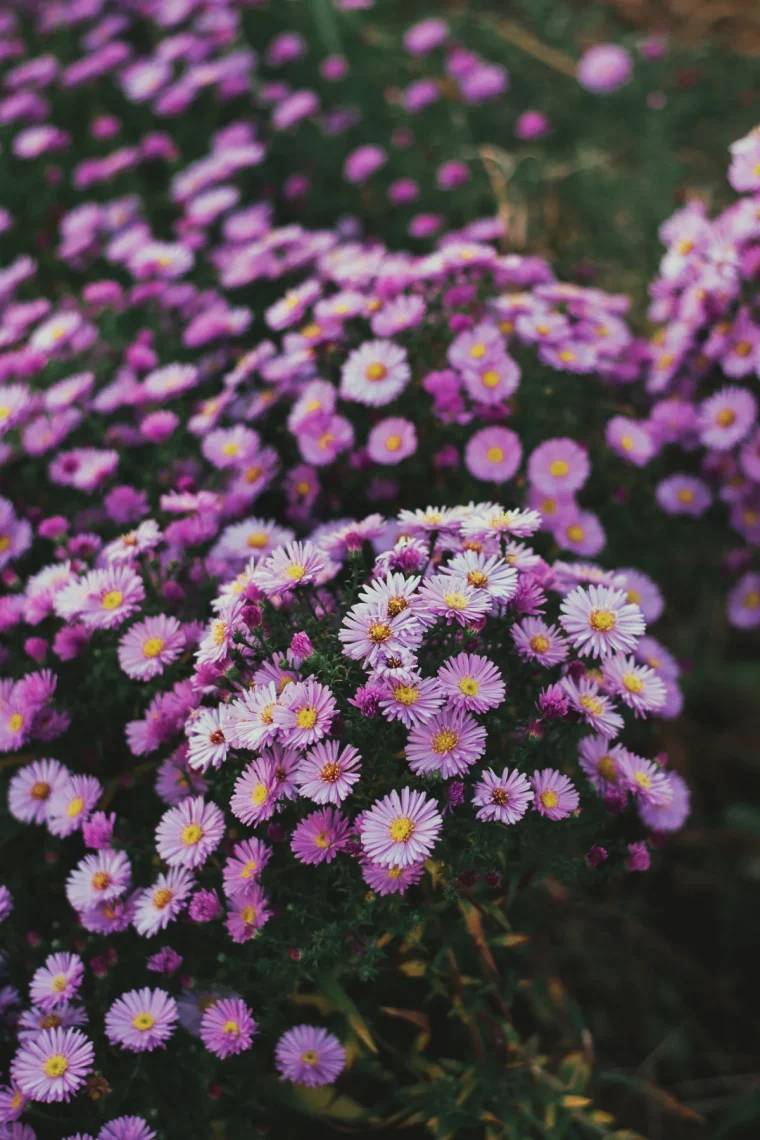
[575,533]
[162,897]
[4,542]
[322,840]
[218,632]
[500,796]
[455,601]
[311,331]
[490,378]
[192,834]
[75,808]
[406,694]
[101,880]
[50,1021]
[376,371]
[634,596]
[40,790]
[231,449]
[743,348]
[16,722]
[752,600]
[444,740]
[478,351]
[685,495]
[302,488]
[685,246]
[58,983]
[379,632]
[477,579]
[606,768]
[591,703]
[306,718]
[153,646]
[231,1028]
[626,443]
[325,440]
[566,356]
[4,411]
[469,687]
[559,468]
[633,682]
[257,539]
[549,799]
[643,780]
[55,1066]
[253,473]
[259,794]
[330,773]
[602,620]
[402,829]
[265,715]
[295,572]
[395,872]
[249,870]
[112,600]
[310,1057]
[248,914]
[397,605]
[393,442]
[725,417]
[144,1022]
[539,643]
[495,455]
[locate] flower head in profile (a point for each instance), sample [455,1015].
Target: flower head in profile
[387,879]
[309,1056]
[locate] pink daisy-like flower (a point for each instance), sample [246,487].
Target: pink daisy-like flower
[632,441]
[642,591]
[401,829]
[412,699]
[188,833]
[149,646]
[369,631]
[600,620]
[454,599]
[256,792]
[385,880]
[305,713]
[471,682]
[320,837]
[645,779]
[171,380]
[744,602]
[53,1065]
[554,795]
[503,798]
[493,454]
[32,1022]
[297,564]
[247,913]
[57,982]
[141,1020]
[308,1055]
[559,467]
[493,379]
[97,878]
[600,761]
[537,641]
[579,531]
[727,418]
[70,805]
[375,373]
[127,547]
[243,868]
[227,1027]
[638,685]
[492,521]
[33,787]
[209,737]
[12,1103]
[160,904]
[596,709]
[108,597]
[489,573]
[392,440]
[449,743]
[671,814]
[127,1128]
[251,719]
[683,495]
[328,772]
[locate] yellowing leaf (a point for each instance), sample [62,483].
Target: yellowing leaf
[413,968]
[572,1101]
[318,1001]
[322,1101]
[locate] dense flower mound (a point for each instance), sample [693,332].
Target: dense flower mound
[367,704]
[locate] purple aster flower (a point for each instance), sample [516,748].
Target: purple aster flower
[71,804]
[644,779]
[642,591]
[97,878]
[305,713]
[632,441]
[672,812]
[250,720]
[555,796]
[309,1056]
[744,602]
[297,564]
[97,831]
[559,467]
[489,573]
[471,682]
[227,1027]
[32,788]
[369,631]
[385,880]
[504,798]
[412,699]
[455,599]
[638,857]
[247,913]
[256,792]
[449,743]
[165,961]
[188,833]
[493,454]
[600,761]
[604,68]
[401,829]
[160,904]
[425,35]
[127,1128]
[244,867]
[141,1020]
[205,906]
[726,418]
[320,836]
[579,531]
[57,982]
[375,373]
[53,1065]
[328,772]
[596,709]
[600,620]
[391,441]
[209,738]
[683,495]
[171,380]
[149,646]
[537,641]
[637,685]
[363,162]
